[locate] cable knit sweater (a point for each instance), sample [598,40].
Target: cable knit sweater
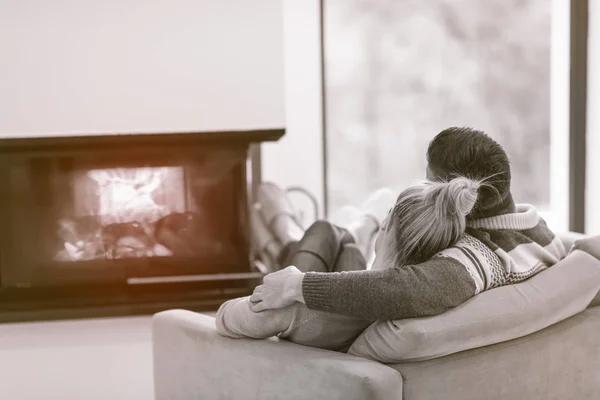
[494,251]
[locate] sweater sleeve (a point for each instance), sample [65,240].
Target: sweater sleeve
[412,291]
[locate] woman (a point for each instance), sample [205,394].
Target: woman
[426,219]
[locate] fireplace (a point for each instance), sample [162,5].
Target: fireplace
[116,222]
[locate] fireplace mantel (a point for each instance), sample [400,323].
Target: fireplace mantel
[22,142]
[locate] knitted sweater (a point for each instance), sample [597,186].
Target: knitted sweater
[494,251]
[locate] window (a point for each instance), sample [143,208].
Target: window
[398,72]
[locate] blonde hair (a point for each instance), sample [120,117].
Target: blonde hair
[430,217]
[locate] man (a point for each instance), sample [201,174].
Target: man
[504,244]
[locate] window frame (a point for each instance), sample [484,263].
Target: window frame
[578,85]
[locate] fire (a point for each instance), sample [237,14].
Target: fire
[118,211]
[127,194]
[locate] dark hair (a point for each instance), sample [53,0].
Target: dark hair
[473,154]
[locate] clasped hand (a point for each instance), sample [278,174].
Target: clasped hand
[279,289]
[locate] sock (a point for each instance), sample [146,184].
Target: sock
[379,204]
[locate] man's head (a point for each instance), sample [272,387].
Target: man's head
[473,154]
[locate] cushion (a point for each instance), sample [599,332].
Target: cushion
[495,316]
[590,245]
[569,238]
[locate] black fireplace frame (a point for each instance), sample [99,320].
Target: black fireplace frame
[144,293]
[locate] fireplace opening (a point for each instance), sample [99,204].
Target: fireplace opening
[97,218]
[182,211]
[129,213]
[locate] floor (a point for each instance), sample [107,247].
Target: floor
[96,359]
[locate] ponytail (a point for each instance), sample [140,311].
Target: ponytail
[456,197]
[431,216]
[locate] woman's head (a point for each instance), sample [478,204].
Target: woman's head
[426,219]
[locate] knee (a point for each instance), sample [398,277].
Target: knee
[321,227]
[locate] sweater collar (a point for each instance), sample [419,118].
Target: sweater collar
[526,217]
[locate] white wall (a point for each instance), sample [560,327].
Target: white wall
[297,159]
[592,199]
[129,66]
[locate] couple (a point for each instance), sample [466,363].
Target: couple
[445,240]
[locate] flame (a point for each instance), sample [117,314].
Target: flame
[126,194]
[115,212]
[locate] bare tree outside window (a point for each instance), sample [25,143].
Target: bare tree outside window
[400,71]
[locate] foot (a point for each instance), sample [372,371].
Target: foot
[264,242]
[346,216]
[372,213]
[278,214]
[361,226]
[379,203]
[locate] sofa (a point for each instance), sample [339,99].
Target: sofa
[561,361]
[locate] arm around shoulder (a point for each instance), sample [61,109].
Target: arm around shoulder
[411,291]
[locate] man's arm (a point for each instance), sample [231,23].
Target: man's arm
[414,291]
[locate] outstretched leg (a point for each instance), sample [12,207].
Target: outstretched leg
[317,248]
[320,249]
[278,214]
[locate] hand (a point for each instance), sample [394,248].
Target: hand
[279,289]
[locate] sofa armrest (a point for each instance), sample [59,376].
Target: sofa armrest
[192,361]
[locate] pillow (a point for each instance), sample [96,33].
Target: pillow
[590,245]
[569,238]
[495,316]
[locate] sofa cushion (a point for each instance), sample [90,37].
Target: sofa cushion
[495,316]
[590,245]
[569,238]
